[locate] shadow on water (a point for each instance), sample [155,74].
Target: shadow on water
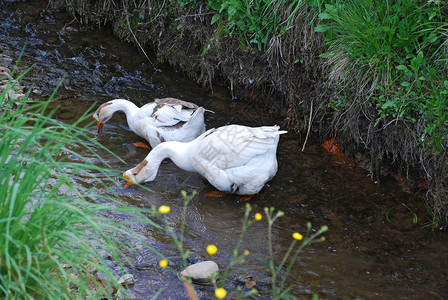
[373,248]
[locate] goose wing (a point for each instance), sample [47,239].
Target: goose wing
[169,112]
[235,145]
[166,112]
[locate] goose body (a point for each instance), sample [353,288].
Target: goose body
[234,159]
[167,119]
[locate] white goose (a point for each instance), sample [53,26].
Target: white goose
[167,119]
[234,159]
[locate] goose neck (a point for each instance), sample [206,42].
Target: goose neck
[178,152]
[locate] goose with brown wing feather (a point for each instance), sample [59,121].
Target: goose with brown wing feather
[167,119]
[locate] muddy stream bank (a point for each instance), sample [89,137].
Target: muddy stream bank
[373,249]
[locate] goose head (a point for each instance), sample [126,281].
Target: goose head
[103,114]
[141,173]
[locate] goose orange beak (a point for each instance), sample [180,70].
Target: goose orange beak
[99,126]
[129,183]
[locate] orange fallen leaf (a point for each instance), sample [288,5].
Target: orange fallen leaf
[331,146]
[216,194]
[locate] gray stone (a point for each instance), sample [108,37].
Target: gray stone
[201,271]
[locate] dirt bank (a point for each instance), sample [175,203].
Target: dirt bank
[288,78]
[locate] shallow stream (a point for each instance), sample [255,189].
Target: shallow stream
[373,250]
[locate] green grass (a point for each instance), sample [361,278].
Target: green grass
[258,21]
[393,53]
[52,228]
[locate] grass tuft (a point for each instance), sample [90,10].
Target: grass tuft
[393,53]
[52,228]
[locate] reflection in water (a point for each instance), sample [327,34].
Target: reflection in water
[364,256]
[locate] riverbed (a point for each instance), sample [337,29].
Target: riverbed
[376,248]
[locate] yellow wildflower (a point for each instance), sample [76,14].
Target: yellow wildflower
[164,209]
[258,216]
[212,249]
[297,236]
[163,263]
[246,252]
[220,293]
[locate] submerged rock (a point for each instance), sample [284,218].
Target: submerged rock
[9,86]
[201,271]
[126,279]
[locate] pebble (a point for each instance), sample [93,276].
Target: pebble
[126,279]
[5,60]
[14,92]
[201,271]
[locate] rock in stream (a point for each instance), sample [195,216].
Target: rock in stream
[201,272]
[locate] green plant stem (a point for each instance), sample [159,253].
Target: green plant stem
[234,260]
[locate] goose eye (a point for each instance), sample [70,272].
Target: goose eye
[135,174]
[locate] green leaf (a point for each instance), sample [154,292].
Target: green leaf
[324,16]
[215,18]
[321,28]
[405,83]
[414,64]
[215,5]
[402,67]
[432,15]
[387,104]
[326,55]
[432,38]
[419,58]
[331,8]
